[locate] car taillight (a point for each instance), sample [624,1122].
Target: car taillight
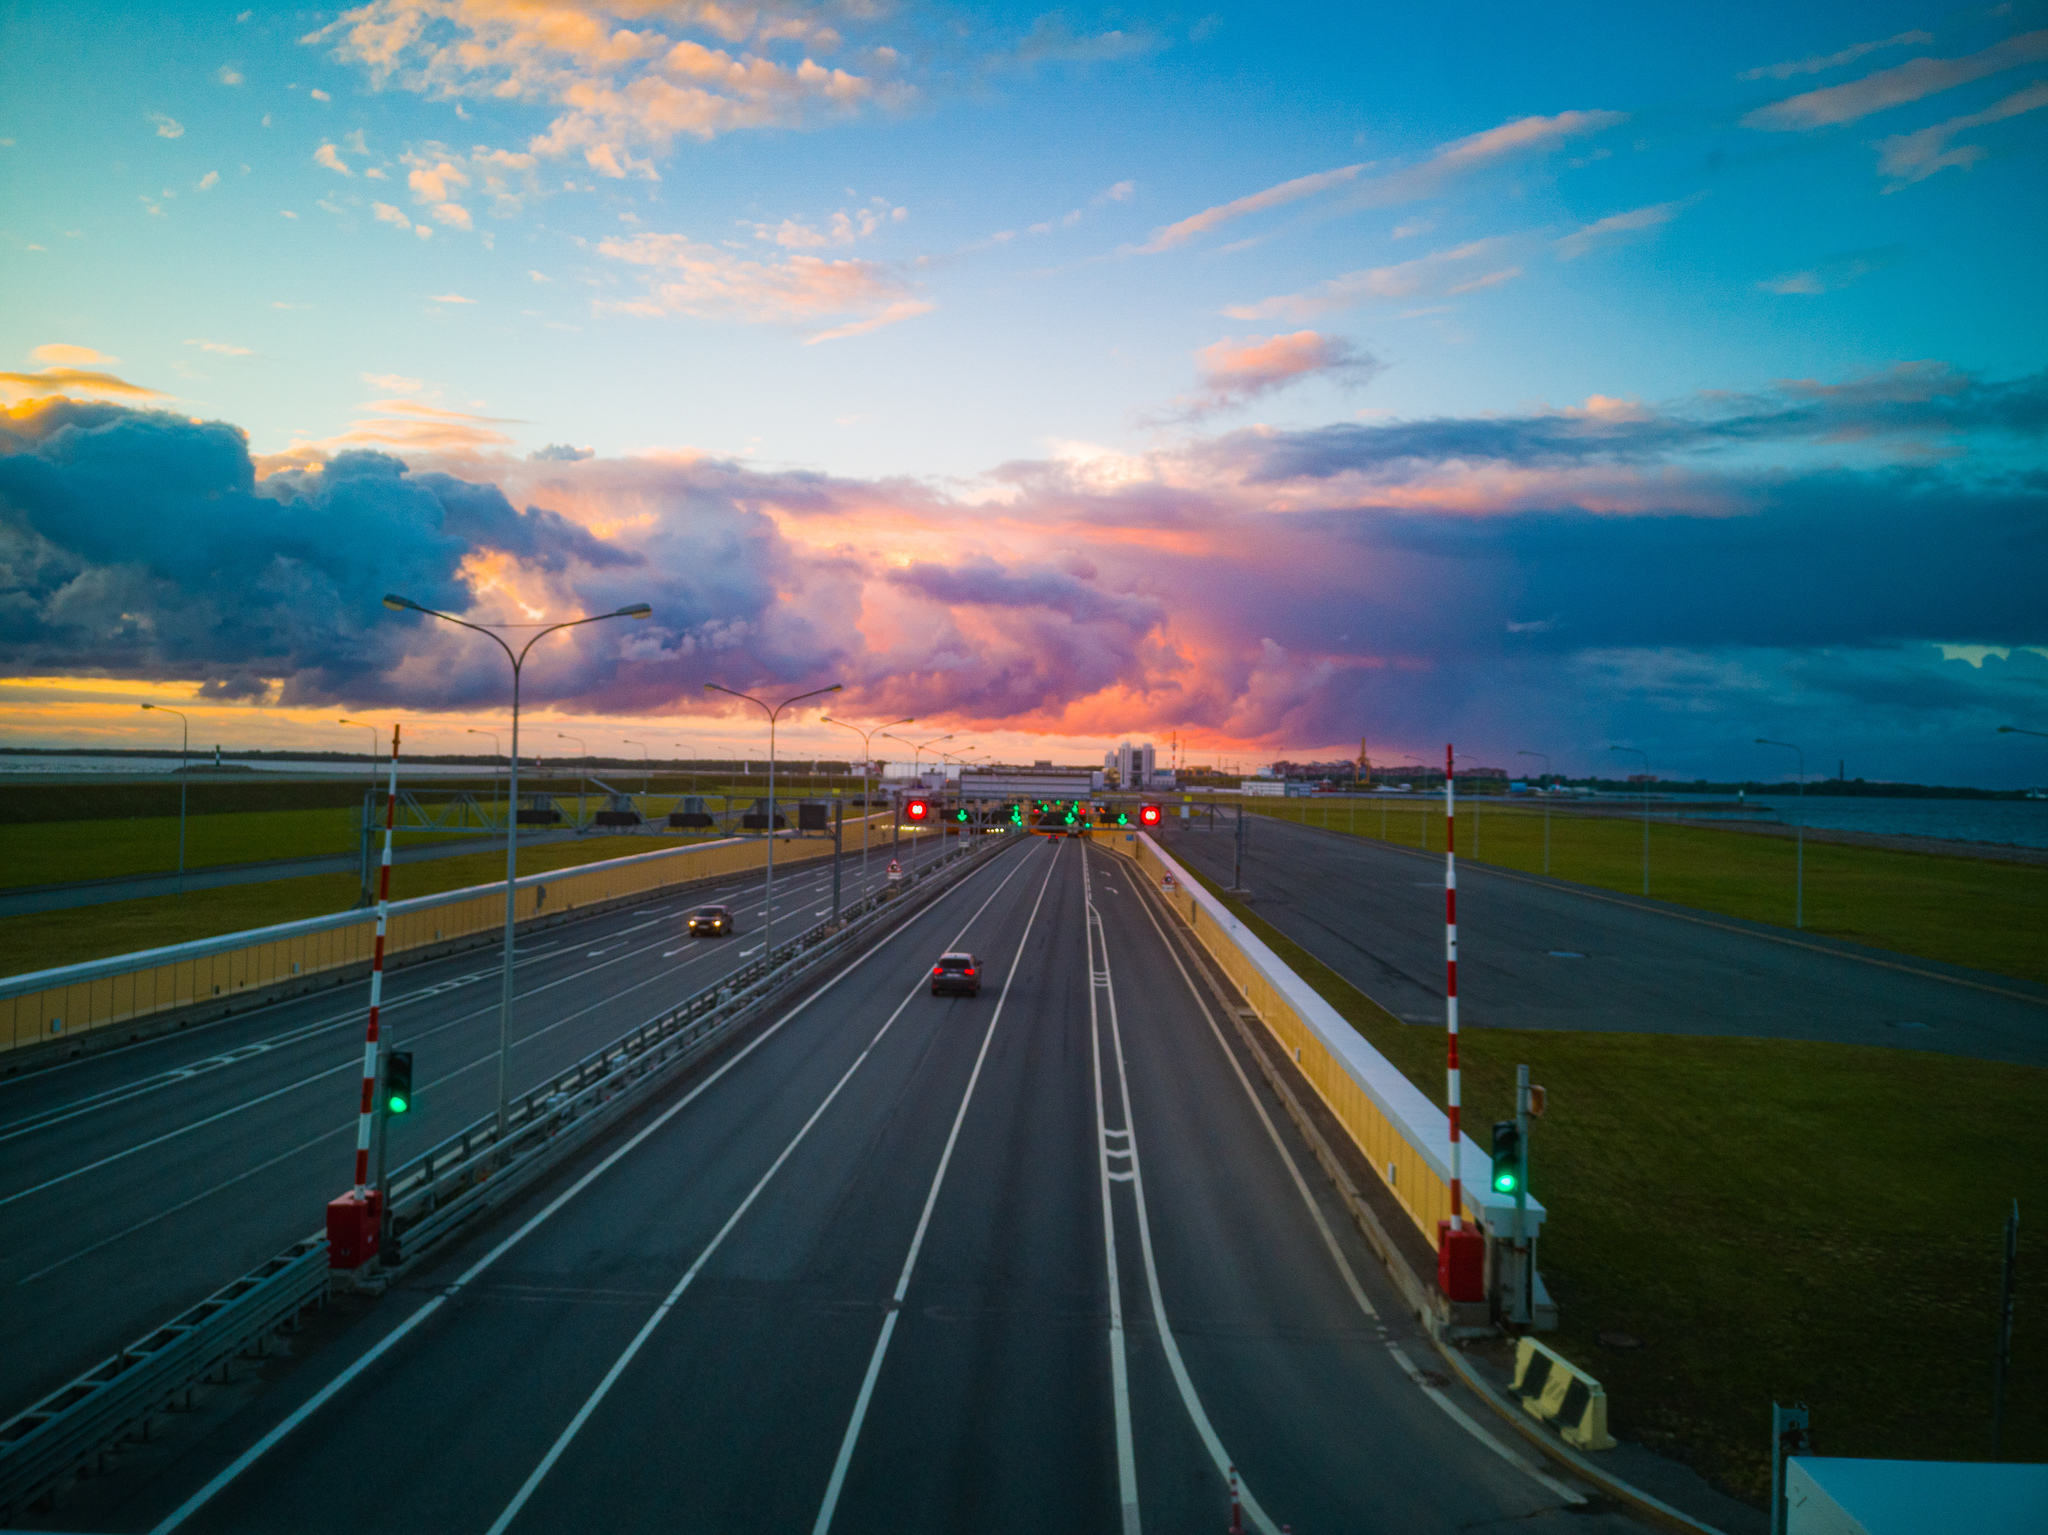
[938,969]
[968,971]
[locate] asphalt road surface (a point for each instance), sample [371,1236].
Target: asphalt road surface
[1045,1259]
[136,1182]
[1545,954]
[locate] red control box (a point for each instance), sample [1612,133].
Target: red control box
[354,1229]
[1460,1262]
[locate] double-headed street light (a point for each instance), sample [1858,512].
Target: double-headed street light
[866,761]
[1798,833]
[768,895]
[1638,751]
[518,659]
[184,751]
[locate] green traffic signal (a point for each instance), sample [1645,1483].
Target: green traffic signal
[398,1082]
[1507,1157]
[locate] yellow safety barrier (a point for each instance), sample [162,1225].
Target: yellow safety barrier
[1554,1390]
[46,1005]
[1403,1135]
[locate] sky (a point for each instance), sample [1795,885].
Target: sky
[1265,381]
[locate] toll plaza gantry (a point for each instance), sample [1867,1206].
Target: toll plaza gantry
[959,813]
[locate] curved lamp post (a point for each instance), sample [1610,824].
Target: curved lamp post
[1799,833]
[866,761]
[629,741]
[184,751]
[768,896]
[518,659]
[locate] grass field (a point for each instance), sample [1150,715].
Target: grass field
[1772,1220]
[44,940]
[1968,911]
[62,851]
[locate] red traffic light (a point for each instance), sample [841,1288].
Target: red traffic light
[917,810]
[1149,816]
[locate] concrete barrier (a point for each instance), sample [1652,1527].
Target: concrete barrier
[1554,1390]
[1404,1136]
[44,1007]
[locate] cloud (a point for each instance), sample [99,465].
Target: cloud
[449,298]
[845,227]
[619,76]
[1234,372]
[561,453]
[1490,280]
[319,95]
[393,383]
[1911,81]
[1911,157]
[1122,192]
[1836,272]
[387,214]
[64,354]
[902,309]
[167,127]
[228,74]
[220,348]
[54,381]
[1402,280]
[1167,236]
[1618,226]
[1052,41]
[1823,62]
[209,181]
[330,157]
[1607,568]
[684,276]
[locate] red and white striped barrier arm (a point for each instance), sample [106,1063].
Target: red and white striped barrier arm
[376,984]
[1451,967]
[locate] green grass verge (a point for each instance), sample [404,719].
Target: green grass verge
[43,940]
[1773,1220]
[1978,912]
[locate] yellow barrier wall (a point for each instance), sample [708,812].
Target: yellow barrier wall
[1416,1173]
[164,979]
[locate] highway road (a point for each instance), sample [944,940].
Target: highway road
[135,1182]
[1049,1258]
[1536,953]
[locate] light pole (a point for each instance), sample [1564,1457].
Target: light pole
[768,897]
[1546,803]
[369,801]
[2004,730]
[643,760]
[1638,751]
[917,771]
[866,761]
[496,752]
[407,605]
[185,750]
[1798,833]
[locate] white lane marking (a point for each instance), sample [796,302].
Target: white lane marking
[390,1340]
[833,1488]
[1190,1400]
[1119,1367]
[1457,1414]
[1464,1420]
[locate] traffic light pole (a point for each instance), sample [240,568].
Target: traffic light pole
[1525,1298]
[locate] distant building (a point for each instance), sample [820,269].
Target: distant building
[1136,767]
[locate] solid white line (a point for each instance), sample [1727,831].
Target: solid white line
[1119,1366]
[867,1385]
[1186,1386]
[1457,1414]
[384,1345]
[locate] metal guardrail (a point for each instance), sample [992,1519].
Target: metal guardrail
[431,1196]
[44,1444]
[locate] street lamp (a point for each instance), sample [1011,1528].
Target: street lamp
[866,762]
[496,753]
[2004,730]
[583,781]
[407,605]
[184,750]
[1798,833]
[643,760]
[1546,804]
[917,772]
[1638,751]
[768,897]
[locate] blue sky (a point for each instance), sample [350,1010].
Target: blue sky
[1027,294]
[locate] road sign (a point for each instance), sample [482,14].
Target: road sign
[895,871]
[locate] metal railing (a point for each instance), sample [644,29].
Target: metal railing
[114,1400]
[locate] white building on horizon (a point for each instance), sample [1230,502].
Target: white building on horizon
[1137,767]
